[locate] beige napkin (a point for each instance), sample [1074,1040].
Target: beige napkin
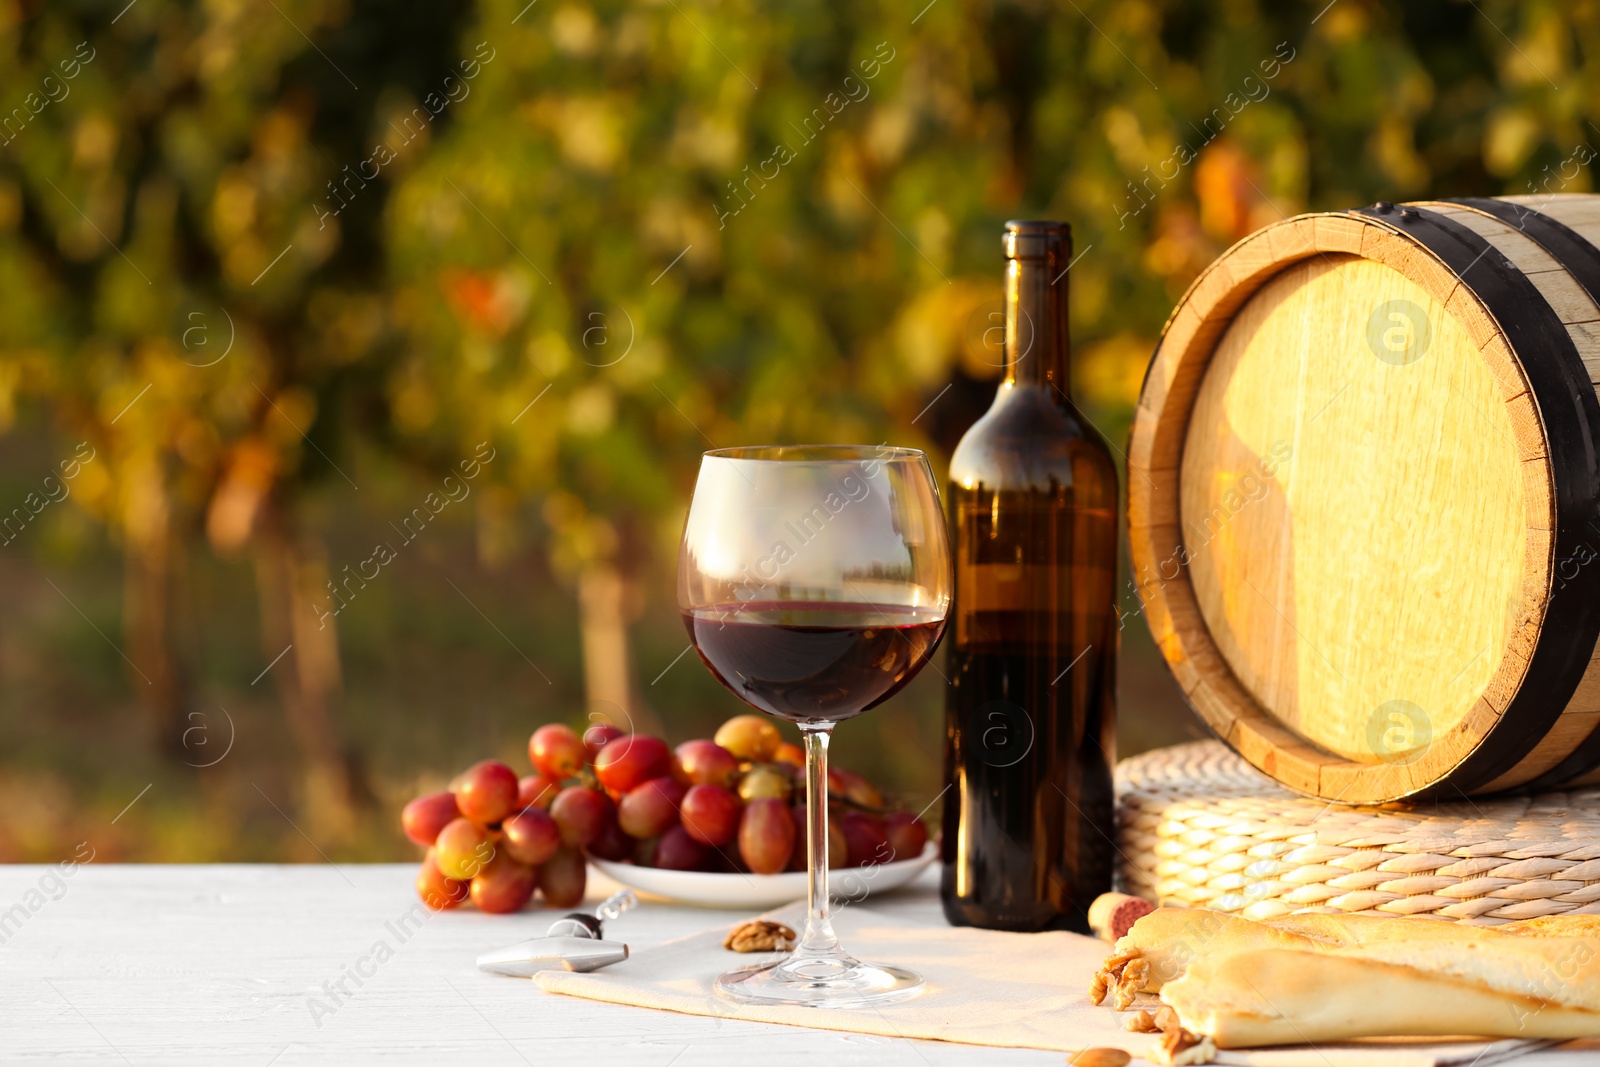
[984,988]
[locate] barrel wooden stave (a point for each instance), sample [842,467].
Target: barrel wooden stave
[1580,314]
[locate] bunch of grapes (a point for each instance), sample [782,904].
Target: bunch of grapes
[732,803]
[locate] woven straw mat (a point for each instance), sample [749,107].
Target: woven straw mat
[1198,826]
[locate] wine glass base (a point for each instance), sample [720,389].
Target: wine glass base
[820,982]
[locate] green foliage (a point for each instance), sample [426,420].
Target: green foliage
[836,230]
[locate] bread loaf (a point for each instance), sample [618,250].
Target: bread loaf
[1169,938]
[1311,978]
[1498,987]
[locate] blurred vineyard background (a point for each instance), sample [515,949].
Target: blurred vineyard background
[278,268]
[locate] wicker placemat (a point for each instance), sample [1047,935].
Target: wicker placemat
[1198,826]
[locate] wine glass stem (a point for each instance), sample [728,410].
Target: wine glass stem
[818,938]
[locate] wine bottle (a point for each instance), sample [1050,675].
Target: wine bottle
[1031,710]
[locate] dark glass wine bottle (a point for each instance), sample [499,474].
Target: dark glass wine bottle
[1031,712]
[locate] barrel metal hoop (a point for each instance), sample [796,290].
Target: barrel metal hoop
[1582,261]
[1570,414]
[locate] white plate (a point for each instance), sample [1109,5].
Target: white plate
[762,890]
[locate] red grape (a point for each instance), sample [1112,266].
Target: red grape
[596,736]
[749,737]
[611,843]
[555,751]
[765,782]
[798,855]
[531,836]
[792,754]
[711,814]
[562,877]
[649,809]
[580,814]
[644,852]
[677,851]
[852,786]
[867,843]
[838,847]
[703,762]
[537,790]
[462,848]
[906,835]
[766,835]
[504,885]
[726,861]
[632,760]
[437,891]
[425,816]
[488,792]
[838,844]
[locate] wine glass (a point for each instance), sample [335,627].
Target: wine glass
[814,581]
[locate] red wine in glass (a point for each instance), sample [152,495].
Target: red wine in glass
[810,661]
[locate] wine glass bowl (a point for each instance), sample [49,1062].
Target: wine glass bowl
[815,581]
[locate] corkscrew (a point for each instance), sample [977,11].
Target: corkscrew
[574,942]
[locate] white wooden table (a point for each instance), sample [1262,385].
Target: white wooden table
[242,964]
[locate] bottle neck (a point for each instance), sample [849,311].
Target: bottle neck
[1037,351]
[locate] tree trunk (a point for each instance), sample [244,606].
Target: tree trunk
[150,571]
[295,618]
[605,608]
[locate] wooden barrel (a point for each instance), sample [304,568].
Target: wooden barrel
[1364,498]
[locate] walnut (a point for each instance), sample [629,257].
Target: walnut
[1137,970]
[1181,1047]
[1204,1050]
[1116,960]
[1141,1023]
[1111,976]
[1167,1019]
[758,935]
[1132,979]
